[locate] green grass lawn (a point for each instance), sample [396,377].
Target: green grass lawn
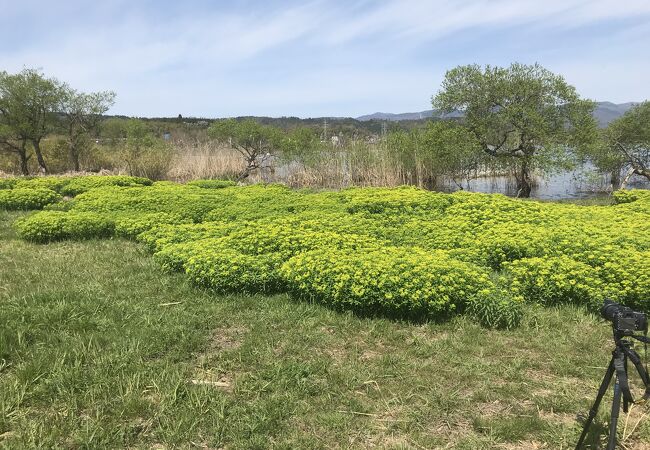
[101,349]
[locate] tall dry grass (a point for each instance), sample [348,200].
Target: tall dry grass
[199,160]
[345,167]
[356,164]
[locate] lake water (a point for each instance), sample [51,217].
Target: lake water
[581,184]
[565,185]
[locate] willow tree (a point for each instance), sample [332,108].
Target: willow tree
[29,104]
[82,114]
[524,115]
[626,145]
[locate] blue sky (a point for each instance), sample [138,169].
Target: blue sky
[318,58]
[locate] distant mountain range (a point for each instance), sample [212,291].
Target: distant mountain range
[604,113]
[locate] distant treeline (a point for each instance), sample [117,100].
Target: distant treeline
[521,120]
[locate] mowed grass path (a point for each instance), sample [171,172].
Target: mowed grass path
[101,349]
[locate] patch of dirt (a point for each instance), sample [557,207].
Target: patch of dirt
[557,418]
[492,409]
[628,427]
[7,435]
[227,338]
[635,446]
[338,355]
[367,355]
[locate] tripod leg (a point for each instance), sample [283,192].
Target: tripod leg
[594,409]
[613,421]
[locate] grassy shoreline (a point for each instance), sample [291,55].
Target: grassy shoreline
[101,349]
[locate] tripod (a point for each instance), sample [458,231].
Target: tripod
[618,368]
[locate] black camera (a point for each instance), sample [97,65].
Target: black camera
[625,320]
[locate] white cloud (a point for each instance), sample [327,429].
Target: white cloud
[323,55]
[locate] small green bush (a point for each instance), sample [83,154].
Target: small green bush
[213,264]
[50,182]
[131,227]
[627,279]
[629,196]
[8,183]
[555,280]
[26,199]
[79,185]
[212,184]
[48,226]
[496,309]
[394,281]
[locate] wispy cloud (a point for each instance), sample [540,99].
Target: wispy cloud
[319,57]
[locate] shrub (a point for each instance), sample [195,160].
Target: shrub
[213,264]
[48,226]
[79,185]
[555,280]
[8,183]
[403,252]
[393,281]
[26,199]
[625,196]
[496,309]
[510,241]
[627,279]
[50,182]
[212,184]
[129,226]
[402,200]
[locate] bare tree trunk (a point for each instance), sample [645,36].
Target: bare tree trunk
[615,179]
[524,185]
[39,155]
[250,166]
[22,154]
[628,175]
[74,158]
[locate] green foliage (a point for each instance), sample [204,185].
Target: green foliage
[78,185]
[129,226]
[441,148]
[25,199]
[525,115]
[302,145]
[496,309]
[397,281]
[399,252]
[625,144]
[50,182]
[555,280]
[82,114]
[29,104]
[628,196]
[8,183]
[256,142]
[48,226]
[214,264]
[212,184]
[247,135]
[627,279]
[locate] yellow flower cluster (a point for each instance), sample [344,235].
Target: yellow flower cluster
[400,251]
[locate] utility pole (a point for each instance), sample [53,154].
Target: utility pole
[325,129]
